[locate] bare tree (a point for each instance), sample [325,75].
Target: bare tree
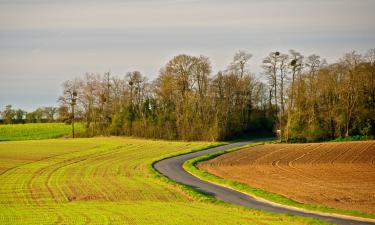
[69,99]
[239,62]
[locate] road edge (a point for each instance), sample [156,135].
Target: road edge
[208,198]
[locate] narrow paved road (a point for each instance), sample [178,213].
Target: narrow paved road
[172,168]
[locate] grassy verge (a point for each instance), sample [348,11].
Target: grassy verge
[196,195]
[190,166]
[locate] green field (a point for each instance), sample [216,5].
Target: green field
[106,181]
[36,131]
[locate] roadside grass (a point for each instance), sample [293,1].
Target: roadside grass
[108,181]
[36,131]
[190,166]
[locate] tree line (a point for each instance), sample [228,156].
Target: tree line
[185,101]
[9,115]
[324,101]
[300,98]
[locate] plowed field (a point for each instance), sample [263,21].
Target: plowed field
[339,175]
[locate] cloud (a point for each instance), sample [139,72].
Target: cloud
[175,14]
[44,42]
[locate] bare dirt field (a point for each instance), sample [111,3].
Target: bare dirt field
[339,175]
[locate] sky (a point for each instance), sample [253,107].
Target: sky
[46,42]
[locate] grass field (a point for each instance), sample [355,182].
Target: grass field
[36,131]
[106,181]
[329,177]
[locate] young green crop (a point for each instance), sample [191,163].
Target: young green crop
[106,181]
[34,131]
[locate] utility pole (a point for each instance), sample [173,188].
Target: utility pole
[73,103]
[131,105]
[278,114]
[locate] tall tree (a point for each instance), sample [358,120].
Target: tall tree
[8,114]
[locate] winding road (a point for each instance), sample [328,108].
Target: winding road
[172,168]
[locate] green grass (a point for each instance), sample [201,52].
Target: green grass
[108,181]
[339,139]
[190,166]
[36,131]
[353,138]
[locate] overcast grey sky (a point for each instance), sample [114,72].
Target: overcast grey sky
[45,42]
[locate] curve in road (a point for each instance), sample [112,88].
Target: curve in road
[173,169]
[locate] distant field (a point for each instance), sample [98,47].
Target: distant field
[105,181]
[34,131]
[338,175]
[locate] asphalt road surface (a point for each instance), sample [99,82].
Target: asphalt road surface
[172,168]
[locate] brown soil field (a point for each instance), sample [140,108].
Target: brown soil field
[339,175]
